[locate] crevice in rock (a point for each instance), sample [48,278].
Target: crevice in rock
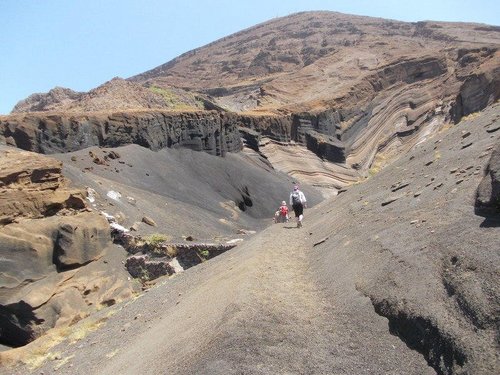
[422,334]
[245,200]
[17,320]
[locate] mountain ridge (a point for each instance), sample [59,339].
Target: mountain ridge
[396,274]
[323,33]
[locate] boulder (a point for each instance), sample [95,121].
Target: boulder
[80,239]
[488,191]
[148,221]
[32,186]
[57,261]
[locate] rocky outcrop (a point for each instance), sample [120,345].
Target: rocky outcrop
[212,132]
[488,192]
[56,254]
[116,94]
[390,110]
[169,258]
[33,187]
[58,96]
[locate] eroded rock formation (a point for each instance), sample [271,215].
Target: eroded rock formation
[56,255]
[212,132]
[488,192]
[33,187]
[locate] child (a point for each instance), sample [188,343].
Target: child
[281,216]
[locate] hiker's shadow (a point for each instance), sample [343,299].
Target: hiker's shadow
[290,227]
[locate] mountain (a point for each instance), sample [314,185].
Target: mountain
[314,61]
[112,95]
[355,90]
[322,60]
[390,128]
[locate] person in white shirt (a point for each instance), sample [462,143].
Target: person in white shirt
[298,202]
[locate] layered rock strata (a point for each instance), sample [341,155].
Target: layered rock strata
[55,255]
[33,187]
[169,258]
[212,132]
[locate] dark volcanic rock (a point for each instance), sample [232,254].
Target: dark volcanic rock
[488,192]
[278,128]
[155,261]
[325,147]
[212,132]
[144,268]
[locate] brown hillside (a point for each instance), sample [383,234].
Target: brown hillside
[398,274]
[315,57]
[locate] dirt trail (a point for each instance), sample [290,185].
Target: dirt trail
[253,310]
[272,315]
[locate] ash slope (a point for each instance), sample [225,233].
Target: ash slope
[187,193]
[405,245]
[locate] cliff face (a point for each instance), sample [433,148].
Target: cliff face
[354,90]
[53,133]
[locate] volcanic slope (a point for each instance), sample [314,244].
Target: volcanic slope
[354,90]
[395,275]
[312,61]
[186,193]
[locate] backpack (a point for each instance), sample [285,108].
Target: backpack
[296,198]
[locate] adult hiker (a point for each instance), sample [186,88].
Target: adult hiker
[298,202]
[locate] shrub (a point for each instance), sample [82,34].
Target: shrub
[152,244]
[204,253]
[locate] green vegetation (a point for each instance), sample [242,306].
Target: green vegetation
[205,254]
[177,102]
[155,239]
[144,276]
[169,97]
[153,244]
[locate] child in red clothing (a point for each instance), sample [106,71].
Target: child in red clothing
[281,216]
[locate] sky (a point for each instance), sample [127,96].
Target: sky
[81,44]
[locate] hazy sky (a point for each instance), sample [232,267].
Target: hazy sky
[80,44]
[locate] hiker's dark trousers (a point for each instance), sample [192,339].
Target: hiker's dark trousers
[298,209]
